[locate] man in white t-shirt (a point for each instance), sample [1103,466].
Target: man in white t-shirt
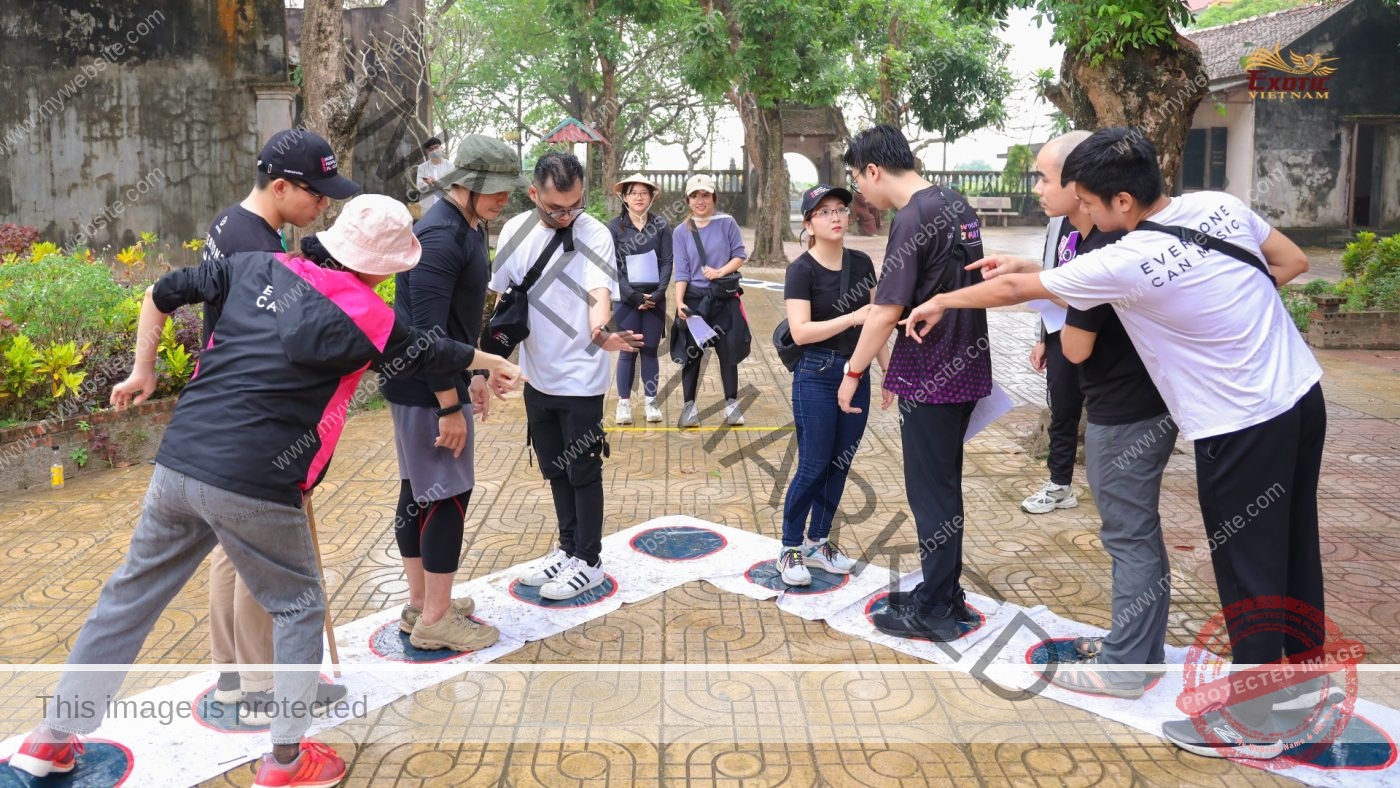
[565,358]
[430,172]
[1241,383]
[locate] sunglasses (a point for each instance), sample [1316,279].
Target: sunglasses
[309,189]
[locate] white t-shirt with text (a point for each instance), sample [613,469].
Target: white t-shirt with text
[1212,330]
[559,357]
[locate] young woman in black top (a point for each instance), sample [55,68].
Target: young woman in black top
[825,322]
[643,243]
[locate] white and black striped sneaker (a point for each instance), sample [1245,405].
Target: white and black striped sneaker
[546,569]
[575,578]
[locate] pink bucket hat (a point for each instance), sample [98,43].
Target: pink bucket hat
[373,235]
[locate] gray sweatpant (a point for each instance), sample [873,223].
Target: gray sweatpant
[1125,464]
[182,519]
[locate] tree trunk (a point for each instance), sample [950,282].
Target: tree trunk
[1154,91]
[770,221]
[607,126]
[332,105]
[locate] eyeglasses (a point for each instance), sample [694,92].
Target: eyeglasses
[832,213]
[563,213]
[306,187]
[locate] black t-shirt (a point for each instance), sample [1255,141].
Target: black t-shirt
[235,230]
[1117,388]
[809,280]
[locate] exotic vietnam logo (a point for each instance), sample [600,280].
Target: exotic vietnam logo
[1299,77]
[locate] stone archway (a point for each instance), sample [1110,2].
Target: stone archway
[820,134]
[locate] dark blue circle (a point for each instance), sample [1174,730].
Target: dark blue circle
[390,642]
[102,765]
[531,594]
[1057,650]
[221,716]
[766,574]
[678,543]
[1361,746]
[878,604]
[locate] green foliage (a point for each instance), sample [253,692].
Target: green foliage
[1097,31]
[1225,13]
[57,363]
[917,62]
[1372,270]
[975,165]
[22,362]
[1019,161]
[598,206]
[175,363]
[60,299]
[1299,306]
[386,291]
[79,456]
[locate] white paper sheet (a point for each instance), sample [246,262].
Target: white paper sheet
[699,329]
[1050,312]
[642,268]
[988,409]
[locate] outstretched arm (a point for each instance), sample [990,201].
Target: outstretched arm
[1001,291]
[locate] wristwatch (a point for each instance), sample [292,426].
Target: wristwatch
[449,410]
[850,373]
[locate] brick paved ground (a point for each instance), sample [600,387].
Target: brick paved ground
[60,546]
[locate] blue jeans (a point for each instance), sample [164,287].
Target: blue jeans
[827,440]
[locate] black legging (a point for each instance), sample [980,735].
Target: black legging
[431,530]
[728,374]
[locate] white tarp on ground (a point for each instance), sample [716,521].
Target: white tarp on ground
[185,752]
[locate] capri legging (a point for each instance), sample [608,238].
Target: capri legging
[431,530]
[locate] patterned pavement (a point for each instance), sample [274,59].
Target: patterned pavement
[834,727]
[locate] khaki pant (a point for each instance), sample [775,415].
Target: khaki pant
[240,630]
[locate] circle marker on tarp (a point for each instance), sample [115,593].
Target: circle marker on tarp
[678,543]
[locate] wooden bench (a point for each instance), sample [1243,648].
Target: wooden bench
[992,207]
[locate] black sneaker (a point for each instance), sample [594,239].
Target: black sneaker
[327,695]
[905,623]
[256,710]
[957,608]
[1221,739]
[229,689]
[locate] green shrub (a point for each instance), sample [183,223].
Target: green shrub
[1299,307]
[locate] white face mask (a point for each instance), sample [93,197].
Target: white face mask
[435,155]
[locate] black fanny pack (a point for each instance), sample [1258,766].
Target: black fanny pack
[509,324]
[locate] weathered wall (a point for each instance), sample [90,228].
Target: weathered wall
[1309,141]
[119,117]
[389,146]
[1238,119]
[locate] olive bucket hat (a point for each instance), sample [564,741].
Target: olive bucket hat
[485,165]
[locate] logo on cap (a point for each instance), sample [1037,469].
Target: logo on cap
[817,191]
[327,164]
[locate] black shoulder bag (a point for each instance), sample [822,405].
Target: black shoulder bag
[509,323]
[789,352]
[1198,238]
[726,286]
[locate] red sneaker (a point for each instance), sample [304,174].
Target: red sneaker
[316,767]
[41,756]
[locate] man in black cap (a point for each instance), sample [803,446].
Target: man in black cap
[297,178]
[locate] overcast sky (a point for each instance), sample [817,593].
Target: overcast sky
[1029,121]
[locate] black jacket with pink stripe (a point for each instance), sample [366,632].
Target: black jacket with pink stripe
[268,402]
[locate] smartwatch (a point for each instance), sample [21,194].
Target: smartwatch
[449,410]
[850,373]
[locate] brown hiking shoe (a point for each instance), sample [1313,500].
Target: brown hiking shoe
[410,614]
[453,631]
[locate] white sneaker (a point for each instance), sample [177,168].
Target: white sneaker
[1050,497]
[546,570]
[732,415]
[654,415]
[828,556]
[690,415]
[624,412]
[576,578]
[791,568]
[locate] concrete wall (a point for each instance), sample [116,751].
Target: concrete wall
[132,116]
[1239,138]
[1309,141]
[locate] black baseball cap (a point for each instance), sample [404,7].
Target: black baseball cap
[301,154]
[814,195]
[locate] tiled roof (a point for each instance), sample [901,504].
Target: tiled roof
[573,130]
[1224,48]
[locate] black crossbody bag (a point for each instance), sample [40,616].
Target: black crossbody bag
[1198,238]
[789,352]
[727,285]
[509,323]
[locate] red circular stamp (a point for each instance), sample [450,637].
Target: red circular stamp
[1214,692]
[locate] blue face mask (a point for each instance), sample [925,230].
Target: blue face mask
[435,155]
